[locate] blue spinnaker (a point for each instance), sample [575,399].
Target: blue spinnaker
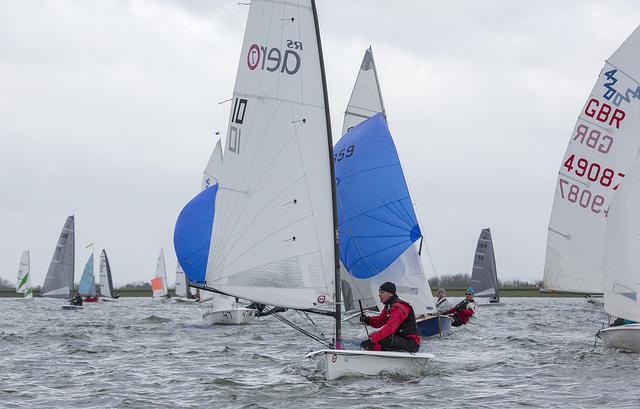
[87,279]
[376,219]
[192,234]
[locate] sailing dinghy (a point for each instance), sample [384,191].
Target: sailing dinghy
[192,239]
[159,281]
[59,280]
[23,285]
[107,293]
[183,295]
[87,287]
[378,228]
[601,151]
[622,265]
[274,238]
[484,276]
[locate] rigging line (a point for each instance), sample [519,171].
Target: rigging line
[302,330]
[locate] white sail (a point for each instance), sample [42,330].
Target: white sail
[212,172]
[273,233]
[23,285]
[159,283]
[59,280]
[622,250]
[407,271]
[106,282]
[601,149]
[181,282]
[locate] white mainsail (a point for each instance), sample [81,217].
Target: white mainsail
[366,97]
[106,282]
[59,280]
[601,150]
[23,285]
[407,271]
[273,233]
[181,282]
[211,174]
[622,250]
[159,282]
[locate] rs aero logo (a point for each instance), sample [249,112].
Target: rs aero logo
[274,59]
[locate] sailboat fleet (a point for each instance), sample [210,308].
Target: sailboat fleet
[285,220]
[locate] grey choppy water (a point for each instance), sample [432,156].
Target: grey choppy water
[535,352]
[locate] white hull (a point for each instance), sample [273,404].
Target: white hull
[107,299]
[72,307]
[489,304]
[338,363]
[625,337]
[185,300]
[238,316]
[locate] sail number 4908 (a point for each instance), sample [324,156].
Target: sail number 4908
[593,171]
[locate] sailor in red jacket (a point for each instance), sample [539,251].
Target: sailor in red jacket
[464,310]
[397,323]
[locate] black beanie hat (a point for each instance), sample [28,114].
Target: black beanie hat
[388,287]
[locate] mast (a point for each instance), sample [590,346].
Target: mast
[336,244]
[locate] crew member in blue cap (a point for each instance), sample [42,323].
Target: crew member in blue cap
[464,310]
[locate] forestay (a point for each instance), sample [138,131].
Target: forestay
[622,258]
[59,280]
[273,237]
[376,219]
[484,277]
[106,282]
[87,281]
[601,149]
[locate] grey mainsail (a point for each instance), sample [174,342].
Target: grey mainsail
[484,278]
[59,280]
[106,283]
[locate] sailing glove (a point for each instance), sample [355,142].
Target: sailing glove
[364,318]
[367,345]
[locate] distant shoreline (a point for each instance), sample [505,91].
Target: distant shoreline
[452,292]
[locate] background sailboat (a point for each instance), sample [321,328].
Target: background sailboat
[622,265]
[379,230]
[23,285]
[87,287]
[159,281]
[59,280]
[106,282]
[601,150]
[192,238]
[484,276]
[274,237]
[183,293]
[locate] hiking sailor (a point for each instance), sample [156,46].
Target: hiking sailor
[397,323]
[464,310]
[443,304]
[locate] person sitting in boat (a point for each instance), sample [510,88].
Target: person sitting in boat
[397,322]
[76,299]
[464,310]
[443,304]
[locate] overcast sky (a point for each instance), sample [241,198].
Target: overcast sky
[108,111]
